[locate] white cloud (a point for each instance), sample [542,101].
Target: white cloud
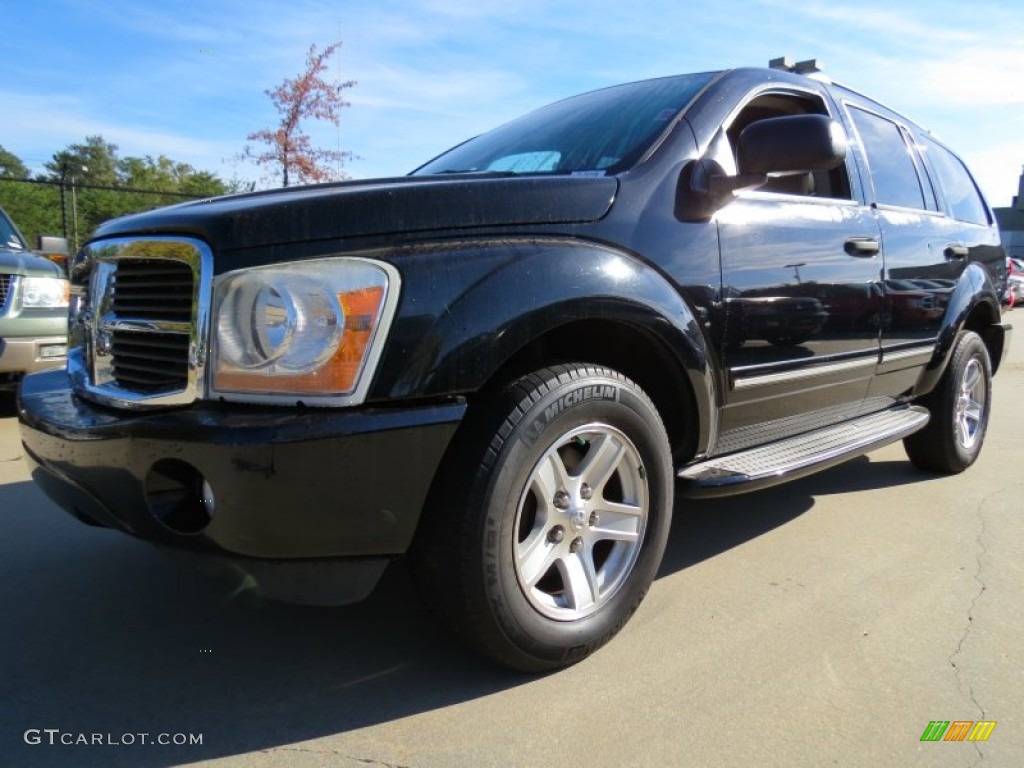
[433,72]
[997,170]
[908,28]
[68,122]
[979,76]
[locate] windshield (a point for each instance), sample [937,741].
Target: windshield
[9,237]
[597,133]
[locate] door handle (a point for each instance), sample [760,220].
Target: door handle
[954,252]
[861,247]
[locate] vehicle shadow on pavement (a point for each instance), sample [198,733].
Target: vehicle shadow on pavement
[704,528]
[106,635]
[7,404]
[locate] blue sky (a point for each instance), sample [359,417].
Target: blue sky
[433,72]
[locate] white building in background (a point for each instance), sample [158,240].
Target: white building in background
[1011,223]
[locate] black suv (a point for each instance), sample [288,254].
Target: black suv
[508,363]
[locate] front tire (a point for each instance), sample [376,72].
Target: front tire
[960,407]
[548,544]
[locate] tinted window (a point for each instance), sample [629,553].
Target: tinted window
[889,158]
[8,235]
[603,131]
[962,197]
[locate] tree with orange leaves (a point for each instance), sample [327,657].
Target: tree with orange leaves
[307,96]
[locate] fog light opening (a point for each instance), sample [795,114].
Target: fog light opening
[179,497]
[53,351]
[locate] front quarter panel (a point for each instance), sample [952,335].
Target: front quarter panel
[469,307]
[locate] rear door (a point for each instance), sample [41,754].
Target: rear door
[976,237]
[927,246]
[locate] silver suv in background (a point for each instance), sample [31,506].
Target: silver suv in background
[33,308]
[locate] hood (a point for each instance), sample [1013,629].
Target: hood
[16,262]
[379,207]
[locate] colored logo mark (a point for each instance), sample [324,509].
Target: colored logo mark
[958,730]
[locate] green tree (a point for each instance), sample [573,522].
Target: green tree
[35,208]
[94,162]
[205,184]
[11,165]
[165,175]
[289,148]
[97,185]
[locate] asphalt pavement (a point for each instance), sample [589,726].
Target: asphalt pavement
[822,623]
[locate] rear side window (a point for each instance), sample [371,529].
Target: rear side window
[962,196]
[893,172]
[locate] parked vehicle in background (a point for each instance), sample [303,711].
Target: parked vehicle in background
[1015,282]
[508,363]
[33,308]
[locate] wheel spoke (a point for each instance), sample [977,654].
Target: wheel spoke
[535,556]
[971,378]
[965,432]
[620,522]
[549,478]
[973,411]
[579,579]
[602,460]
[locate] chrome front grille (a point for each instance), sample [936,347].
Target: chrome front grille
[153,289]
[149,362]
[5,287]
[139,312]
[146,291]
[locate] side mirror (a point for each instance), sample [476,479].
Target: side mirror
[792,144]
[775,146]
[48,244]
[55,249]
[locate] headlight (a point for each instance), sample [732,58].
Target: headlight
[311,329]
[43,292]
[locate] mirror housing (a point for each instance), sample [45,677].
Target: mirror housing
[54,248]
[704,187]
[792,144]
[775,146]
[50,244]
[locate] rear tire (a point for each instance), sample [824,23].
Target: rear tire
[550,518]
[960,405]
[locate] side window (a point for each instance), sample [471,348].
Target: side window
[828,184]
[890,160]
[957,186]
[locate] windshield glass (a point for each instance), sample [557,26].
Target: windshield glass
[596,133]
[9,237]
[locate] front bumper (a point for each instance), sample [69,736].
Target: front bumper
[29,355]
[254,485]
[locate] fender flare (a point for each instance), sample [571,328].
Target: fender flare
[974,289]
[510,293]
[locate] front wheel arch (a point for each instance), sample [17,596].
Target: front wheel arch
[464,553]
[682,395]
